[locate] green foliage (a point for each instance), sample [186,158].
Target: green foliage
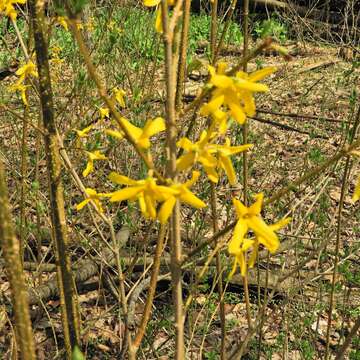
[211,355]
[352,275]
[76,6]
[77,354]
[139,38]
[199,31]
[316,155]
[354,355]
[272,27]
[307,350]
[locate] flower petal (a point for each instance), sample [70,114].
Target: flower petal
[121,179]
[227,165]
[255,208]
[260,74]
[151,3]
[185,161]
[114,133]
[237,112]
[152,127]
[166,209]
[82,204]
[212,106]
[280,224]
[221,81]
[194,177]
[84,132]
[134,131]
[265,234]
[211,174]
[237,238]
[89,168]
[126,193]
[356,195]
[189,198]
[150,206]
[185,144]
[240,208]
[158,21]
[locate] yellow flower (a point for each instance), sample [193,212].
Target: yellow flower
[84,132]
[181,192]
[104,112]
[211,156]
[356,195]
[149,195]
[61,20]
[140,136]
[26,71]
[234,93]
[90,25]
[146,191]
[7,7]
[92,195]
[55,55]
[249,218]
[92,156]
[119,96]
[22,89]
[158,21]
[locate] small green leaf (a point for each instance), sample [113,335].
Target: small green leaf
[195,64]
[77,354]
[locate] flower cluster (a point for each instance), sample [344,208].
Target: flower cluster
[230,96]
[233,95]
[24,72]
[63,21]
[148,193]
[7,7]
[211,156]
[249,218]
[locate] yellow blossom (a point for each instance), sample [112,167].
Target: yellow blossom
[104,112]
[61,20]
[26,71]
[90,25]
[84,132]
[22,89]
[146,191]
[181,192]
[211,156]
[356,195]
[249,218]
[92,195]
[234,94]
[158,21]
[7,7]
[92,156]
[119,95]
[149,195]
[140,136]
[55,55]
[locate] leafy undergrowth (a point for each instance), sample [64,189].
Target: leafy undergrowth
[315,84]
